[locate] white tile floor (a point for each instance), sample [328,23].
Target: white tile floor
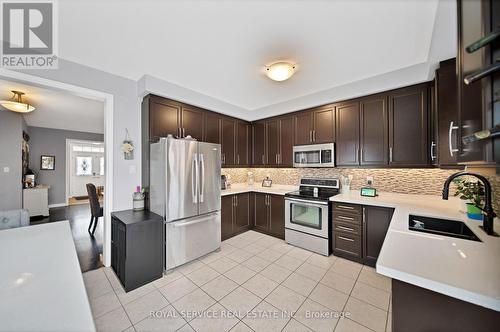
[254,283]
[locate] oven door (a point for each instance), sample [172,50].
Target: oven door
[307,216]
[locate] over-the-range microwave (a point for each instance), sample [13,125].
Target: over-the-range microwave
[314,155]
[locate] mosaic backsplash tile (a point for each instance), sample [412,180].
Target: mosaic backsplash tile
[426,181]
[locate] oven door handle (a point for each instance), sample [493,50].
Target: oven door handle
[306,202]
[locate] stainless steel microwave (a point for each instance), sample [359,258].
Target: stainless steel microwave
[314,155]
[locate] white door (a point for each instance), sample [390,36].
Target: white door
[86,166]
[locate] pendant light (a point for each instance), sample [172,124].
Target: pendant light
[16,104]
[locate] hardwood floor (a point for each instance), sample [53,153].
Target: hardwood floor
[88,249]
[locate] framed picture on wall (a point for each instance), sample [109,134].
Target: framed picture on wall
[48,163]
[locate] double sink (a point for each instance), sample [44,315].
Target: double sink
[445,227]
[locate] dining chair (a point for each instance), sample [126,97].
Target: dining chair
[96,210]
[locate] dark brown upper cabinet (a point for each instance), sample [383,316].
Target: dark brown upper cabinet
[286,141]
[272,142]
[373,130]
[259,143]
[315,126]
[303,128]
[347,134]
[408,115]
[164,118]
[243,145]
[192,122]
[228,142]
[324,125]
[475,100]
[213,128]
[447,113]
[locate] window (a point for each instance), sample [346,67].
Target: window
[101,166]
[83,166]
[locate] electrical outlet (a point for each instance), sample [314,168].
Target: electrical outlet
[6,169]
[369,180]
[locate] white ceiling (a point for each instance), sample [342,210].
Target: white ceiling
[56,109]
[219,48]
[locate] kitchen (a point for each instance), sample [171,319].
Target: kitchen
[311,210]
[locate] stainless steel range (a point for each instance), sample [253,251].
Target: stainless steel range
[307,214]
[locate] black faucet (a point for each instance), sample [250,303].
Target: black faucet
[488,212]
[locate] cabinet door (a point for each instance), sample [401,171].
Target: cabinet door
[227,203]
[213,128]
[241,219]
[347,132]
[261,212]
[272,142]
[303,128]
[192,122]
[259,143]
[228,141]
[373,131]
[163,119]
[376,221]
[286,142]
[277,215]
[447,111]
[243,143]
[323,125]
[408,126]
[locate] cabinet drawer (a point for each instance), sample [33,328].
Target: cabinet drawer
[346,207]
[343,217]
[344,227]
[347,243]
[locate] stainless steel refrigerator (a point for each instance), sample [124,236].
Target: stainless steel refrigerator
[185,190]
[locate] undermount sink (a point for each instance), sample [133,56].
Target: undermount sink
[444,227]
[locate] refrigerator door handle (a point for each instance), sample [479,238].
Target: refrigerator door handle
[202,177]
[194,179]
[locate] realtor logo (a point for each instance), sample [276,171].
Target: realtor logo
[28,35]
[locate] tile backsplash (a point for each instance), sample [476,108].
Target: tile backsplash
[427,181]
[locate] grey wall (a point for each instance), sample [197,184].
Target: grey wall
[52,142]
[11,131]
[126,114]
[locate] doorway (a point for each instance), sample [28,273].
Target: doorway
[85,164]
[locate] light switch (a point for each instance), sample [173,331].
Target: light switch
[132,169]
[6,169]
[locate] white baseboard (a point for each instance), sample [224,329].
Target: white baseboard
[57,205]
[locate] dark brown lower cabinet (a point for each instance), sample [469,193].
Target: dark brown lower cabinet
[431,311]
[269,214]
[358,232]
[376,222]
[235,214]
[136,247]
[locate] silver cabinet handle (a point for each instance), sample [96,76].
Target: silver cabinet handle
[345,228]
[433,155]
[390,154]
[364,218]
[263,162]
[183,132]
[452,127]
[345,218]
[345,207]
[314,135]
[236,200]
[310,135]
[238,159]
[346,239]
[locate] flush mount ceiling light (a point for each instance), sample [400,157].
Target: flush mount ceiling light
[280,71]
[16,104]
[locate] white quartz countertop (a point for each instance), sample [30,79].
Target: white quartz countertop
[463,269]
[275,189]
[41,286]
